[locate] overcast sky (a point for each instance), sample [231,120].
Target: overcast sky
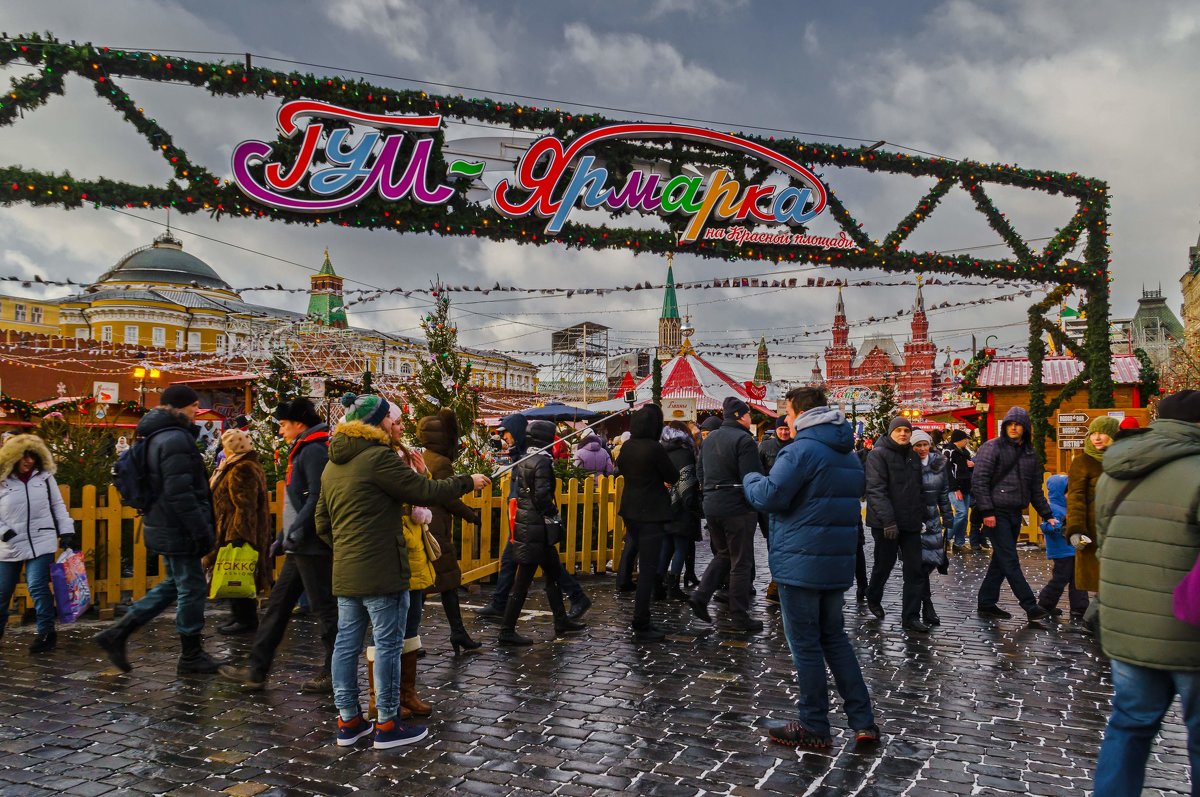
[1100,87]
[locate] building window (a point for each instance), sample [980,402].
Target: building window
[159,337]
[82,333]
[220,343]
[179,340]
[391,365]
[131,335]
[405,369]
[36,314]
[18,312]
[106,333]
[193,341]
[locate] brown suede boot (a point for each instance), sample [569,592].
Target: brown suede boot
[409,701]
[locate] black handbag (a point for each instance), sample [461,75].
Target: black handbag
[554,529]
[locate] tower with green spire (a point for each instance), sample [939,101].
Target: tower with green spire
[762,373]
[670,337]
[325,304]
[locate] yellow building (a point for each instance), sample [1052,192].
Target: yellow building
[161,297]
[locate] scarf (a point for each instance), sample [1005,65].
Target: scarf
[223,468]
[1091,450]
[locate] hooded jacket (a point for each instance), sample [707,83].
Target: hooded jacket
[1057,546]
[535,483]
[727,456]
[34,510]
[439,435]
[593,457]
[894,487]
[306,462]
[1148,545]
[179,521]
[685,493]
[242,513]
[1007,476]
[646,468]
[958,469]
[516,425]
[366,491]
[812,494]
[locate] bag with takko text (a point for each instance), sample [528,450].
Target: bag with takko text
[233,573]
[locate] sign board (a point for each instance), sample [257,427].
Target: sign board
[1072,431]
[1071,442]
[315,386]
[1073,417]
[679,409]
[106,392]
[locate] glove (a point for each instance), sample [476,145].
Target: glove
[66,541]
[475,519]
[891,533]
[1080,541]
[277,546]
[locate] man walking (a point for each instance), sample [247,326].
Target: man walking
[308,568]
[1148,533]
[896,515]
[960,467]
[1008,478]
[178,524]
[728,455]
[812,494]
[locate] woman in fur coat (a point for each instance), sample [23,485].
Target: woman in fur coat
[242,514]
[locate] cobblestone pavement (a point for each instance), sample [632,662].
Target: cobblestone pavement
[979,707]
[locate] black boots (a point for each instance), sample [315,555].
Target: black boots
[673,590]
[114,638]
[562,624]
[43,643]
[509,638]
[459,638]
[928,614]
[508,626]
[243,617]
[193,659]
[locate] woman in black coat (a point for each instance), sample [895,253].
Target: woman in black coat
[534,537]
[683,530]
[646,507]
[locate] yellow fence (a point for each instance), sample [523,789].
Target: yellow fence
[118,565]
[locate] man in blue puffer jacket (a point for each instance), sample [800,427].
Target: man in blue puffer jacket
[812,494]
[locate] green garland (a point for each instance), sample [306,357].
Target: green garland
[970,374]
[28,410]
[195,189]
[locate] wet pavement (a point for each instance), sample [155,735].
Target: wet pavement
[978,707]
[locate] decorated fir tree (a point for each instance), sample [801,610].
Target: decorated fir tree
[443,380]
[280,383]
[885,408]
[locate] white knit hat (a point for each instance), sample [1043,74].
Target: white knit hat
[920,436]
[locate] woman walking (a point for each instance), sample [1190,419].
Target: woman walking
[242,516]
[34,523]
[683,530]
[1081,506]
[439,435]
[939,519]
[646,507]
[535,538]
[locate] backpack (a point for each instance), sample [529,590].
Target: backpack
[131,476]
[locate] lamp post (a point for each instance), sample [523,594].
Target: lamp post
[142,373]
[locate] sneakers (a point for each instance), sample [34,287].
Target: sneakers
[869,735]
[994,613]
[393,734]
[321,685]
[741,625]
[796,735]
[350,732]
[244,677]
[965,547]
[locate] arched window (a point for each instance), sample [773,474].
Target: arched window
[405,369]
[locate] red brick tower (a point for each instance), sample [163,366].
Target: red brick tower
[839,356]
[920,353]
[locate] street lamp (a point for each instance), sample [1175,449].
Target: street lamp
[142,374]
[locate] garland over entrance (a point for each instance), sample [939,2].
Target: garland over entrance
[337,100]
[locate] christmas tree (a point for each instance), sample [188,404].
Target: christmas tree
[279,384]
[443,380]
[885,407]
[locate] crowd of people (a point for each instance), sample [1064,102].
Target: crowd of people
[366,536]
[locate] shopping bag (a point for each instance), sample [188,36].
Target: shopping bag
[68,578]
[233,573]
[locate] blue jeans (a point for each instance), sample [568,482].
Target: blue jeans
[674,554]
[958,532]
[186,587]
[816,634]
[1141,696]
[387,614]
[37,579]
[508,571]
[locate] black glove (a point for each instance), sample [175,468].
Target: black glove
[67,541]
[891,533]
[276,546]
[477,519]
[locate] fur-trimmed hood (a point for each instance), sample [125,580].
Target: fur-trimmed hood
[351,438]
[15,448]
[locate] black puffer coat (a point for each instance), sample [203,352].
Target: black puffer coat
[535,496]
[180,518]
[894,487]
[935,494]
[646,468]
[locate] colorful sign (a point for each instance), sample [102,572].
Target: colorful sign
[553,177]
[106,392]
[679,409]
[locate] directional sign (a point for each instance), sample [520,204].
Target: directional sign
[1072,431]
[1071,442]
[1072,417]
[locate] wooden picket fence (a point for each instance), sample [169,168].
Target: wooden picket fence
[110,536]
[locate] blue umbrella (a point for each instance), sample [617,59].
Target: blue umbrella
[557,411]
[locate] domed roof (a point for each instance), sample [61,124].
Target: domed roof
[165,263]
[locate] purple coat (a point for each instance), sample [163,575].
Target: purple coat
[592,456]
